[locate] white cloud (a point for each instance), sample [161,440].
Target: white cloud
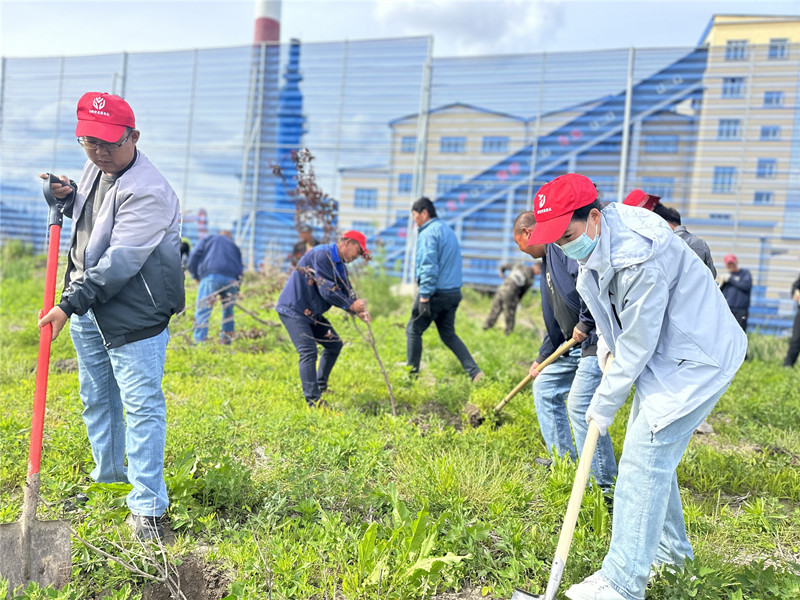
[473,27]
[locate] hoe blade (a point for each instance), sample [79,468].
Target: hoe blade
[47,560]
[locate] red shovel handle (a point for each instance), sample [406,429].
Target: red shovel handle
[45,334]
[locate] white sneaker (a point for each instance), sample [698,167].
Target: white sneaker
[593,587]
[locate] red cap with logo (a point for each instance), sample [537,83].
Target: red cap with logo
[554,204]
[642,200]
[730,258]
[358,237]
[103,116]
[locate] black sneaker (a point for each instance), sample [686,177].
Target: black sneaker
[145,527]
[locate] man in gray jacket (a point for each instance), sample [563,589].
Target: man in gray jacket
[123,283]
[673,219]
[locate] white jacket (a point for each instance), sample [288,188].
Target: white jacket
[661,314]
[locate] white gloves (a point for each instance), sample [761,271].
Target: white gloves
[603,353]
[796,297]
[603,422]
[723,278]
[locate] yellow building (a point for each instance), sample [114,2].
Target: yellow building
[746,172]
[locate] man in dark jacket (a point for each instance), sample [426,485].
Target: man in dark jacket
[562,391]
[794,341]
[306,243]
[123,283]
[216,264]
[673,219]
[735,284]
[318,282]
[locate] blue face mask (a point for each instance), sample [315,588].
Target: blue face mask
[581,247]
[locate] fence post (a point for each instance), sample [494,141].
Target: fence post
[537,130]
[188,152]
[247,143]
[257,159]
[742,155]
[58,114]
[420,158]
[626,129]
[342,88]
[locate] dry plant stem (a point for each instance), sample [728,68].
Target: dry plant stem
[165,578]
[370,339]
[255,316]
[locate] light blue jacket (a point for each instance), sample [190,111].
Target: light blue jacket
[661,314]
[438,256]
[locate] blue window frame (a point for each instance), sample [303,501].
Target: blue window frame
[763,197]
[408,144]
[733,87]
[778,49]
[659,186]
[773,98]
[666,144]
[736,50]
[767,168]
[724,180]
[445,183]
[770,132]
[404,181]
[728,129]
[453,145]
[495,144]
[366,198]
[365,227]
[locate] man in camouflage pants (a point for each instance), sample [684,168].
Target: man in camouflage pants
[510,293]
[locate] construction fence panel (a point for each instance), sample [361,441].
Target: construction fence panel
[715,134]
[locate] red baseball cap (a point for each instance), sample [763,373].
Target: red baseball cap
[730,258]
[358,237]
[642,200]
[103,116]
[554,204]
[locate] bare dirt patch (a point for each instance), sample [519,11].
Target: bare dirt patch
[199,580]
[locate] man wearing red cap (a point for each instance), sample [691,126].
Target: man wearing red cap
[319,281]
[735,284]
[123,283]
[673,219]
[672,336]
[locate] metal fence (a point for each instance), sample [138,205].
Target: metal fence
[716,134]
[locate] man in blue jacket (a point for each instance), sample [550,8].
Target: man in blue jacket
[216,264]
[438,274]
[562,392]
[318,282]
[735,285]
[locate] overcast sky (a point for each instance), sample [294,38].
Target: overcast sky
[459,27]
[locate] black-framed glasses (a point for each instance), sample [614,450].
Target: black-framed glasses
[109,147]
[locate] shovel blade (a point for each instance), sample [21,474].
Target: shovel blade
[49,561]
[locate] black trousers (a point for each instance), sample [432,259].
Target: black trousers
[794,342]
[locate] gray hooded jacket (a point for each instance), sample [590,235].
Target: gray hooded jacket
[132,280]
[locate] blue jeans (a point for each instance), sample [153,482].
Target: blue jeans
[305,334]
[443,313]
[648,526]
[210,287]
[562,393]
[129,378]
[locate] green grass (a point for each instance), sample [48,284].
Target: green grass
[284,502]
